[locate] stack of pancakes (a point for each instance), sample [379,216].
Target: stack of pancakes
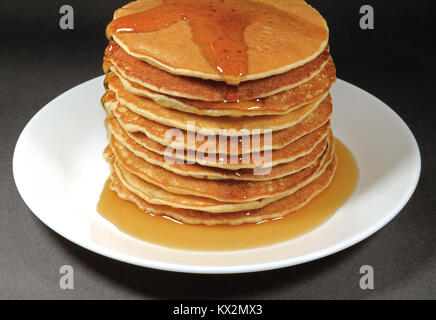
[177,69]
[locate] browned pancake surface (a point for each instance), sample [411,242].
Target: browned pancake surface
[221,190]
[204,172]
[274,210]
[160,81]
[279,103]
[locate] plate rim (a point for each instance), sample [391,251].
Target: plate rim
[248,268]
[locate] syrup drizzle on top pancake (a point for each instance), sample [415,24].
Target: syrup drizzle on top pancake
[217,27]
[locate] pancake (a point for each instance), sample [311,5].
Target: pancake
[160,81]
[274,210]
[155,195]
[220,190]
[290,152]
[203,124]
[203,172]
[156,132]
[224,41]
[280,103]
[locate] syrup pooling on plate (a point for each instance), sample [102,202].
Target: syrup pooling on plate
[217,26]
[167,232]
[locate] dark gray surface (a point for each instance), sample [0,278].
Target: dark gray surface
[38,62]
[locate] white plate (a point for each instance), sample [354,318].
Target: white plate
[59,172]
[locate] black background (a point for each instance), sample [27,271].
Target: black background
[396,62]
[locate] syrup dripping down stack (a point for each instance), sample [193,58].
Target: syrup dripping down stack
[219,71]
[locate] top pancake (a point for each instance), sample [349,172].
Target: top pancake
[289,32]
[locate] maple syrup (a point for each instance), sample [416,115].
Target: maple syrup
[167,232]
[109,95]
[217,26]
